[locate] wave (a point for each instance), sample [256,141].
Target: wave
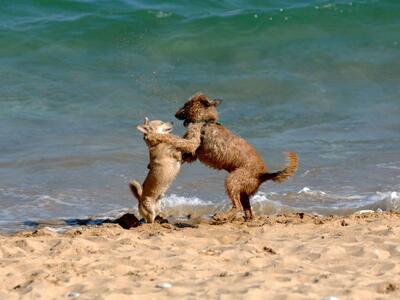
[305,200]
[79,24]
[61,209]
[175,200]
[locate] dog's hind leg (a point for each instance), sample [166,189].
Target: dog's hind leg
[239,185]
[232,187]
[245,200]
[147,208]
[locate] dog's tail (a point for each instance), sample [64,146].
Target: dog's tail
[281,176]
[136,189]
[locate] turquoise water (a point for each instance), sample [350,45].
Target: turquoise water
[321,78]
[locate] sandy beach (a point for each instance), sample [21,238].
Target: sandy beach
[293,256]
[319,78]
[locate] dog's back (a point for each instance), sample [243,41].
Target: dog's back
[221,149]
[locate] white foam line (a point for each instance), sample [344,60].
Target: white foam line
[175,200]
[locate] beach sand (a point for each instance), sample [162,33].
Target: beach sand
[295,256]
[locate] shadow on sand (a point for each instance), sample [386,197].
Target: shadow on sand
[126,221]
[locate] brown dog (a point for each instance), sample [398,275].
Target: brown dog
[221,149]
[165,164]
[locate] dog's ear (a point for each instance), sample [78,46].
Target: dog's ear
[205,101]
[216,102]
[143,128]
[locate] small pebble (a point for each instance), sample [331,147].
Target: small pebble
[73,295]
[164,285]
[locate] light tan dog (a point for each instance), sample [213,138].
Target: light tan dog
[221,149]
[165,164]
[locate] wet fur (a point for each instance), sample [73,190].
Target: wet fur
[221,149]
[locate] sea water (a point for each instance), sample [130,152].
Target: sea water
[321,78]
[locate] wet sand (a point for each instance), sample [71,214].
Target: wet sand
[296,256]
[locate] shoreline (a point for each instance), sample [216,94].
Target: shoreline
[172,216]
[291,256]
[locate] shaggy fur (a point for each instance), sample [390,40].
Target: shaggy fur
[221,149]
[164,166]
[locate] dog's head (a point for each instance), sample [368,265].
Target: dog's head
[199,108]
[155,126]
